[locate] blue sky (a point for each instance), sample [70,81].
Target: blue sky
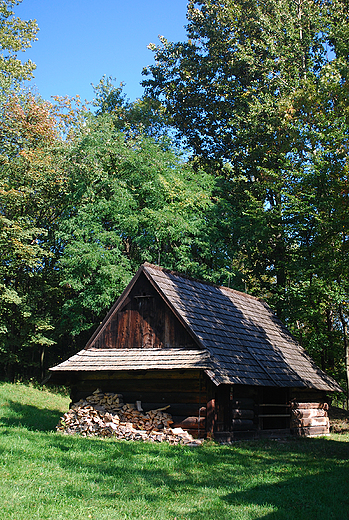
[82,40]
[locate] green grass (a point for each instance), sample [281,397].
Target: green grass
[46,475]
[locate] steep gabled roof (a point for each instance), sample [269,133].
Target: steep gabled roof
[240,340]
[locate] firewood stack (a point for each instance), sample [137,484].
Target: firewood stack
[106,415]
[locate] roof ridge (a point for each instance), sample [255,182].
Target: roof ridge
[192,279]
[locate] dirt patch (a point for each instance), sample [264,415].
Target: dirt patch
[339,419]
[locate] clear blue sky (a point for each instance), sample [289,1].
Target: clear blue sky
[81,40]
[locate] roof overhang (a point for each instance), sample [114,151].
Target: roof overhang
[97,360]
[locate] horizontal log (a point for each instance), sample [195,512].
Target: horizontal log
[274,415]
[275,405]
[177,408]
[190,422]
[162,398]
[310,421]
[301,406]
[313,412]
[310,430]
[242,414]
[243,403]
[241,424]
[156,385]
[189,374]
[307,396]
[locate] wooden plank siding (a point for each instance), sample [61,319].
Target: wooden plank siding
[143,322]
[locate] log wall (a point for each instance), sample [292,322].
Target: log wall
[309,419]
[225,413]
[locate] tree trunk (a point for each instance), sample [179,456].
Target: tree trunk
[42,363]
[346,349]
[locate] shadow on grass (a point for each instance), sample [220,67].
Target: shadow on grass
[132,470]
[323,496]
[29,416]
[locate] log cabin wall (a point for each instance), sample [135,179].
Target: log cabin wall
[262,411]
[309,413]
[144,321]
[184,390]
[243,409]
[252,411]
[274,408]
[235,415]
[226,412]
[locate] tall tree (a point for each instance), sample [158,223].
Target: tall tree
[132,200]
[32,194]
[228,92]
[258,92]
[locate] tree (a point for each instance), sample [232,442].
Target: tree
[228,91]
[15,35]
[144,116]
[32,195]
[316,204]
[259,93]
[132,200]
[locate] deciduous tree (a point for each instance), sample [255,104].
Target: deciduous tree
[132,200]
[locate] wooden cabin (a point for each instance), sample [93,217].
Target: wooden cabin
[220,358]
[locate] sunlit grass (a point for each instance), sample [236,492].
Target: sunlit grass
[45,475]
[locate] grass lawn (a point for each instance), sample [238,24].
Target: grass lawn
[46,475]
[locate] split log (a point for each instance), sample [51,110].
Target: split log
[310,421]
[308,406]
[313,412]
[310,431]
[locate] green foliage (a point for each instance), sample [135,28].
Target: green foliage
[227,88]
[144,116]
[15,35]
[32,192]
[82,205]
[259,93]
[132,200]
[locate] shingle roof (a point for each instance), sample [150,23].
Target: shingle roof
[240,340]
[247,343]
[94,359]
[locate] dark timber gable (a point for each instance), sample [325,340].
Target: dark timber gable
[143,320]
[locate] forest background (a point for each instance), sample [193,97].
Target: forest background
[232,168]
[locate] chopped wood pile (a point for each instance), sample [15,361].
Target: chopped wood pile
[106,415]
